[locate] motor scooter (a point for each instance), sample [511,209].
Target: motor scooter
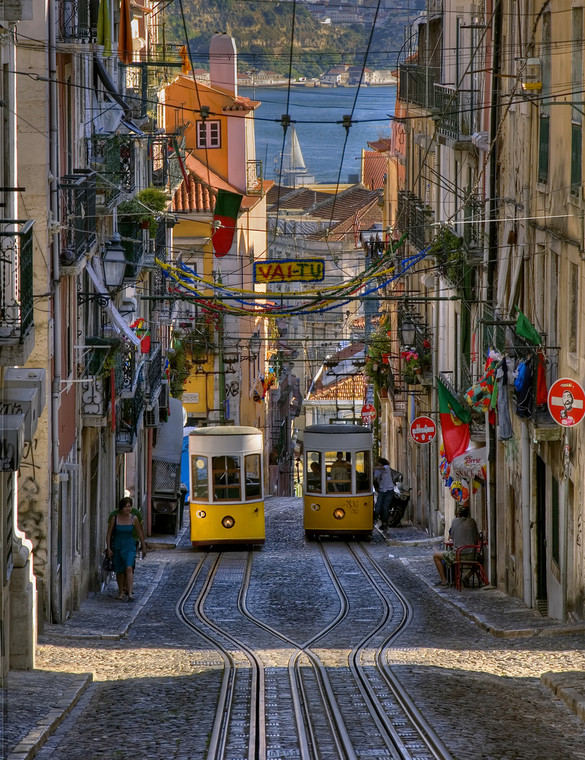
[399,502]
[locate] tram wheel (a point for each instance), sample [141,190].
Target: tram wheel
[310,535]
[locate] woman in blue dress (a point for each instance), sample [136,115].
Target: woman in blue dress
[123,546]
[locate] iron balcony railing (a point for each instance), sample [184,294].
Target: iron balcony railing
[78,232]
[96,385]
[167,156]
[77,20]
[113,158]
[136,246]
[414,219]
[16,280]
[417,85]
[254,178]
[127,419]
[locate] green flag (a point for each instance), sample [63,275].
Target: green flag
[525,329]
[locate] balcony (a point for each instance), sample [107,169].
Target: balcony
[78,235]
[113,158]
[167,155]
[414,219]
[128,417]
[16,291]
[457,116]
[95,381]
[136,243]
[77,20]
[254,178]
[417,85]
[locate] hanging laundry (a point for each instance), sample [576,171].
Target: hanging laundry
[505,431]
[481,393]
[523,388]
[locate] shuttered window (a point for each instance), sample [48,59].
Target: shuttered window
[543,144]
[576,158]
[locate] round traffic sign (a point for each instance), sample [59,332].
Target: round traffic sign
[368,414]
[566,402]
[423,429]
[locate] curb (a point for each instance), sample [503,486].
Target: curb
[28,747]
[562,686]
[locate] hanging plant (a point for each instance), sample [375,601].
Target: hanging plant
[142,209]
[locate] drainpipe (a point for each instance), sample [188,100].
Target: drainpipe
[55,244]
[525,509]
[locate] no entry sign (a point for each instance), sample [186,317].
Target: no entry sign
[423,429]
[566,402]
[368,414]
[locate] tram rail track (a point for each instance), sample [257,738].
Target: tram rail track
[324,699]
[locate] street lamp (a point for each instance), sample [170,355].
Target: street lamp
[114,264]
[254,344]
[408,332]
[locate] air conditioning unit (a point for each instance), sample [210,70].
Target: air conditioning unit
[14,400]
[163,399]
[152,417]
[11,441]
[28,378]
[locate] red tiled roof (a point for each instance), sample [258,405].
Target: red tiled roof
[381,145]
[295,198]
[374,168]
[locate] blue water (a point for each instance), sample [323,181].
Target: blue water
[321,140]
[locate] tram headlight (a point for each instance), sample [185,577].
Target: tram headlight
[339,513]
[228,522]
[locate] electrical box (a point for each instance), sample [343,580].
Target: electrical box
[28,378]
[11,441]
[24,401]
[532,77]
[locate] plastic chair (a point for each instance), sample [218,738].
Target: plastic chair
[470,566]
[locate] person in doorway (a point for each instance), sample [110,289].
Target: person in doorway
[122,546]
[463,532]
[384,483]
[341,474]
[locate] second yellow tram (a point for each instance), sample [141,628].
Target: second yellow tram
[226,486]
[338,495]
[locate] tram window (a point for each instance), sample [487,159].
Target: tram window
[338,466]
[314,472]
[363,478]
[226,478]
[199,485]
[252,468]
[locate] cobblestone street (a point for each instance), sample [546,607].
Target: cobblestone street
[152,684]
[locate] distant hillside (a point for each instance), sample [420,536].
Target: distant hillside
[262,32]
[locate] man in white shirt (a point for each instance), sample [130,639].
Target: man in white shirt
[383,477]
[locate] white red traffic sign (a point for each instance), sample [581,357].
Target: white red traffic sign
[368,414]
[423,429]
[566,402]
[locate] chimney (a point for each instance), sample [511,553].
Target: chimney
[223,63]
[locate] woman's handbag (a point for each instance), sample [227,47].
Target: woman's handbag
[107,563]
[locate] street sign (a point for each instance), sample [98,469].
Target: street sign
[566,402]
[368,414]
[423,430]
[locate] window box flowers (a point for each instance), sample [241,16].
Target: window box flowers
[411,366]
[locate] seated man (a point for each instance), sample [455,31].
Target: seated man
[463,532]
[341,474]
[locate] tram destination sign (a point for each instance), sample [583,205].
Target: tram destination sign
[289,270]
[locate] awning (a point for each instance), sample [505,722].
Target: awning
[119,322]
[169,443]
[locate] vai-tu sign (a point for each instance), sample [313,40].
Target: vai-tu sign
[289,270]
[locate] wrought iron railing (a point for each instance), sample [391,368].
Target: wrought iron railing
[113,158]
[447,105]
[254,178]
[16,280]
[417,84]
[135,245]
[127,421]
[77,20]
[125,369]
[78,232]
[414,219]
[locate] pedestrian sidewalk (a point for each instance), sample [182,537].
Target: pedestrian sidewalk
[498,614]
[35,703]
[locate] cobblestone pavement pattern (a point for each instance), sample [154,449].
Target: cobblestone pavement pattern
[495,679]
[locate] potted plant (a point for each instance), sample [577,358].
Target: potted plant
[411,366]
[142,209]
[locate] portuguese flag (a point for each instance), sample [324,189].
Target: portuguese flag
[454,420]
[225,217]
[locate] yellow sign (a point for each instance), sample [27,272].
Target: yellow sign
[290,270]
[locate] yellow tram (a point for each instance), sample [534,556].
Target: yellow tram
[227,485]
[338,496]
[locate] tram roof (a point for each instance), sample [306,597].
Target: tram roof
[334,429]
[225,430]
